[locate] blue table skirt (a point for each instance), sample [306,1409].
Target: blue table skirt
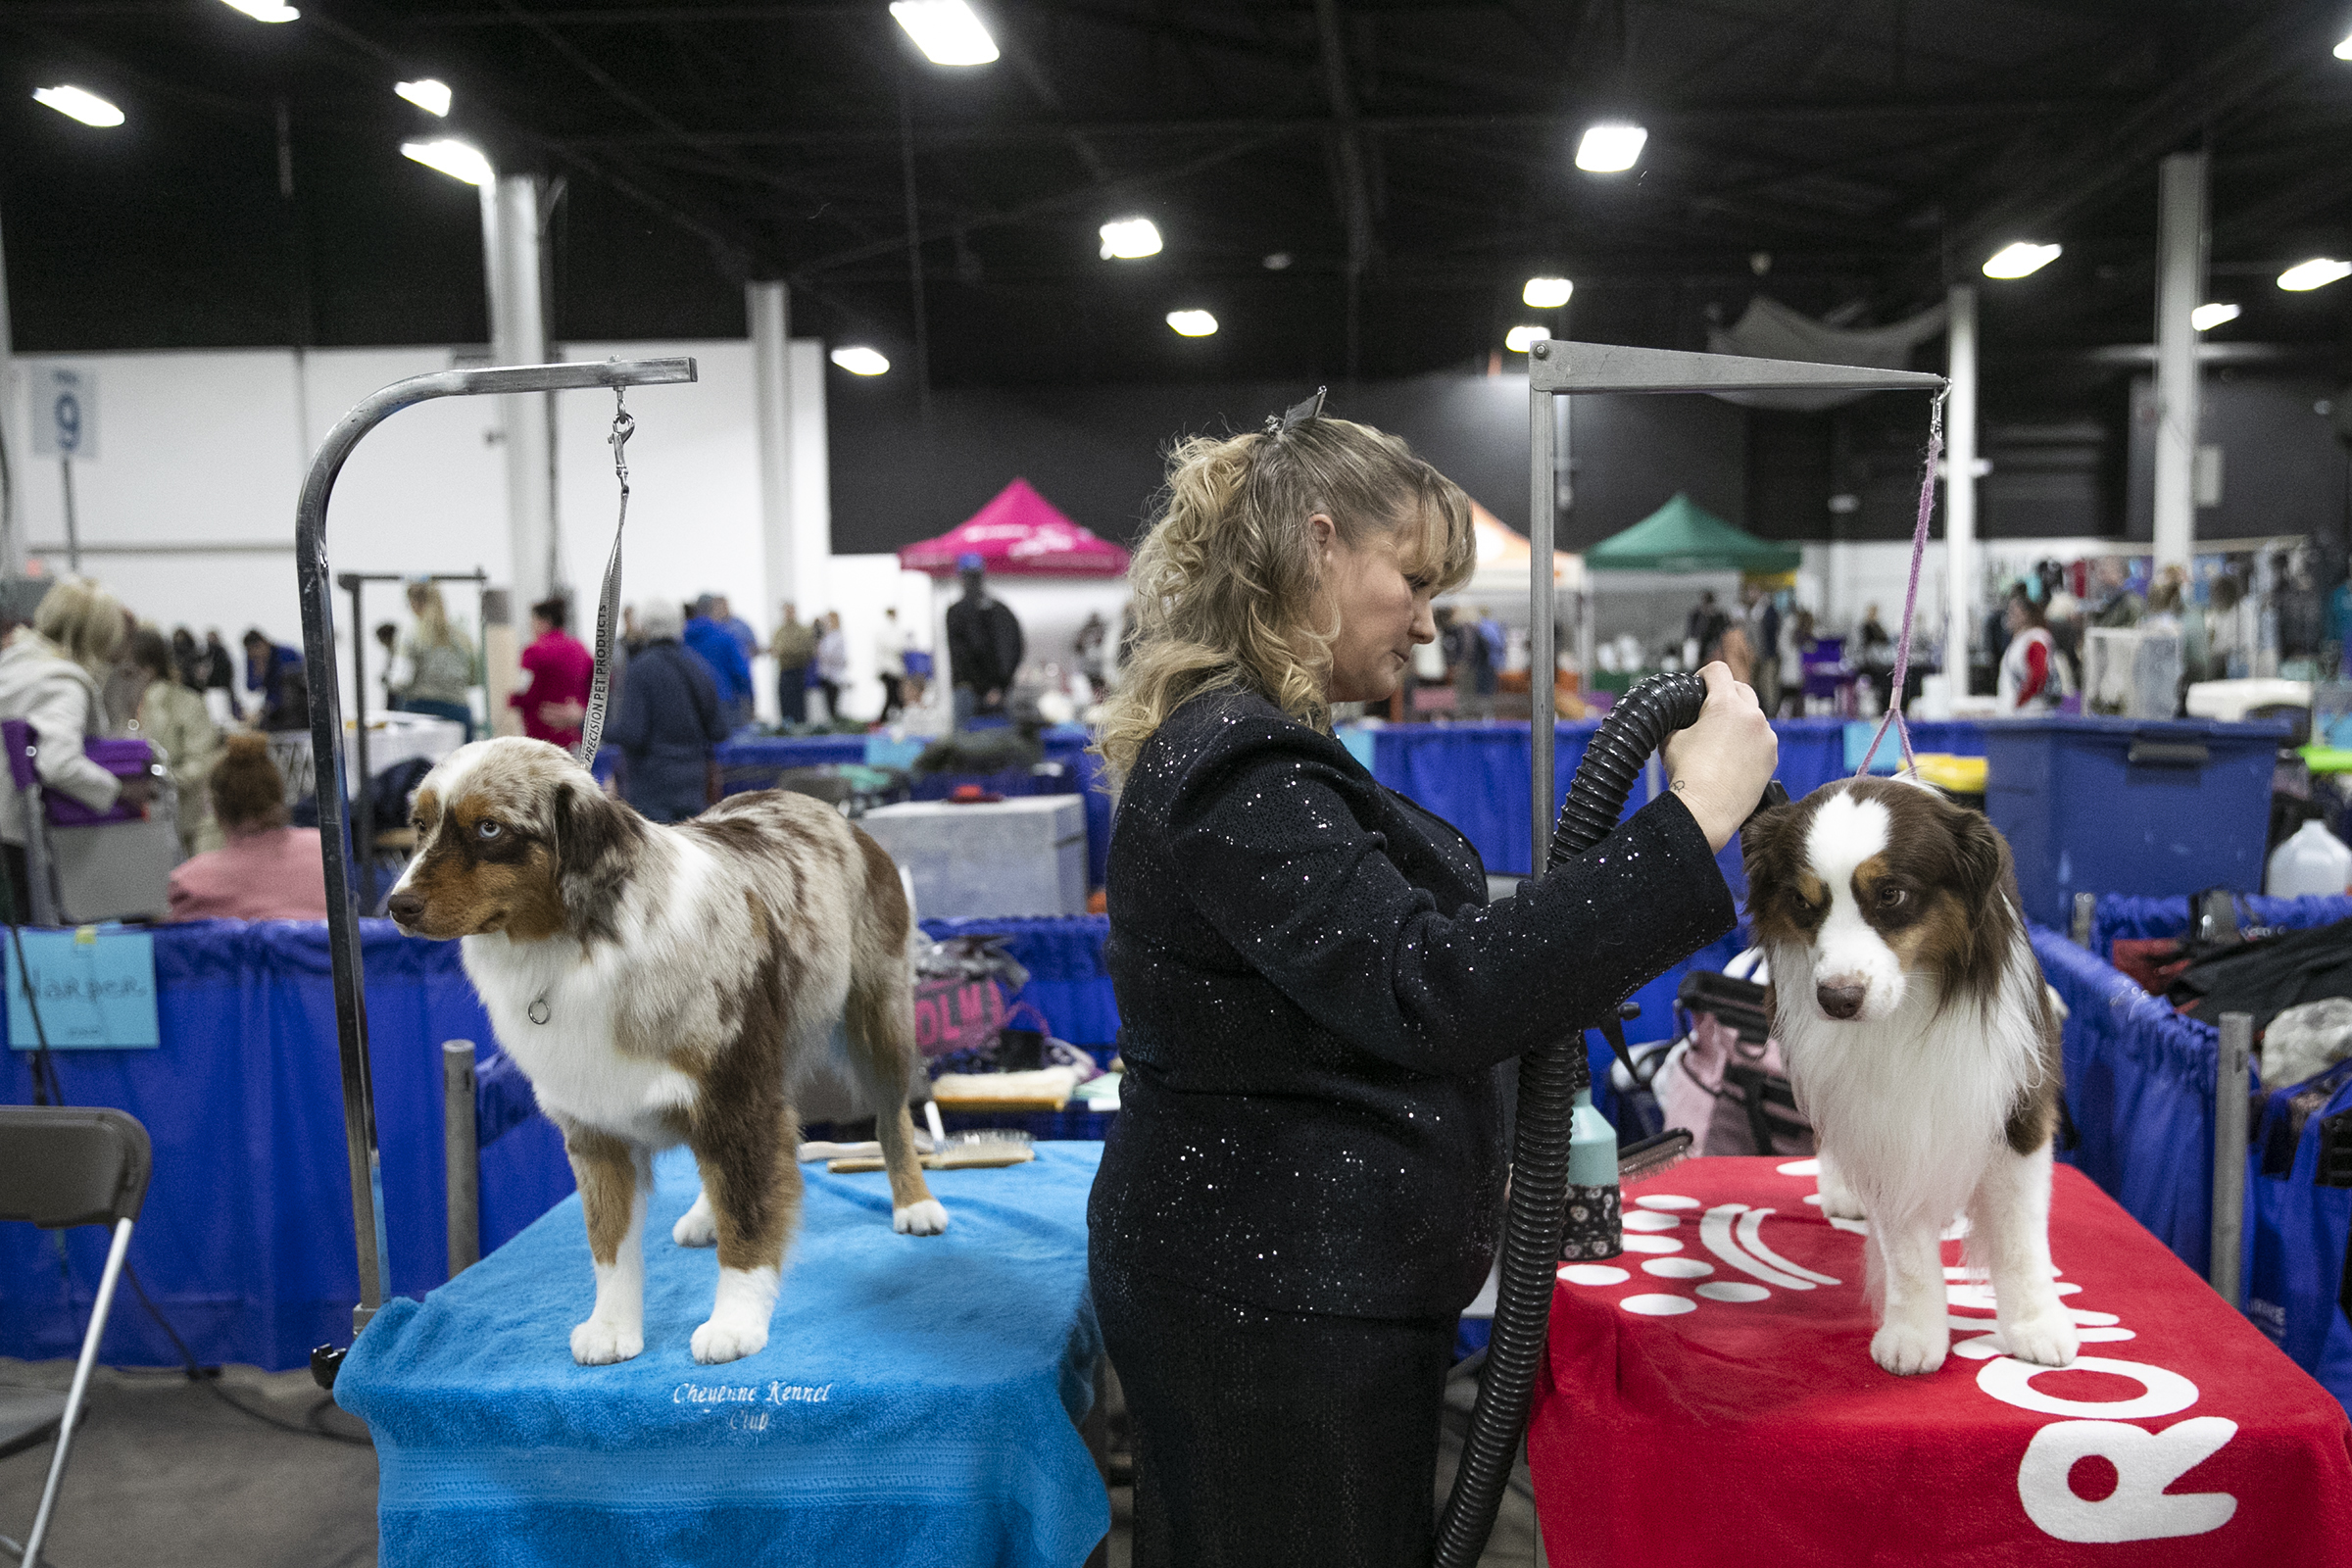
[1474,776]
[917,1400]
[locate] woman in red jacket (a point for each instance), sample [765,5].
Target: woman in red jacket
[562,670]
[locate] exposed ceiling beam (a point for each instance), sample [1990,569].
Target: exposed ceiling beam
[1348,160]
[2281,43]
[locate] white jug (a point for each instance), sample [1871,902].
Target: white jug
[2314,861]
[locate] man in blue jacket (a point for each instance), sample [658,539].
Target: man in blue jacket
[669,723]
[706,635]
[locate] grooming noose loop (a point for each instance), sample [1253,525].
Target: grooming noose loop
[608,604]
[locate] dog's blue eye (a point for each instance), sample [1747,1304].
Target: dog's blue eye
[488,830]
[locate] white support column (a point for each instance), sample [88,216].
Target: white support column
[511,225]
[1960,488]
[2179,290]
[768,306]
[812,477]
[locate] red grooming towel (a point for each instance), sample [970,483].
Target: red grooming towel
[1730,1416]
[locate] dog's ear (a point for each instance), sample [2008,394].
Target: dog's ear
[1764,845]
[594,834]
[1983,855]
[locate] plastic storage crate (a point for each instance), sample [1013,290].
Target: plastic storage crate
[2094,805]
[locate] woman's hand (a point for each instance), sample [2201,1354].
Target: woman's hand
[1721,764]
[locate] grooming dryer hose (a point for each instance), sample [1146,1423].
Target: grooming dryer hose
[1550,1077]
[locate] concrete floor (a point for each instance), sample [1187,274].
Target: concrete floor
[164,1472]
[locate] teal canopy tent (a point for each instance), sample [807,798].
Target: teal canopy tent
[1684,537]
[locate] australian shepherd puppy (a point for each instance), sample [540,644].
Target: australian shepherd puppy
[670,985]
[1922,1045]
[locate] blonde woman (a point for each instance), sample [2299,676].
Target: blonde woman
[440,661]
[49,677]
[1305,1181]
[175,722]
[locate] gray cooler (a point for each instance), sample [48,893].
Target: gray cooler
[1020,856]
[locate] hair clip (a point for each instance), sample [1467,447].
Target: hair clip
[1289,419]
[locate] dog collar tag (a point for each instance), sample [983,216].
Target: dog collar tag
[537,1011]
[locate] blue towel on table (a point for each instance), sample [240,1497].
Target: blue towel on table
[915,1403]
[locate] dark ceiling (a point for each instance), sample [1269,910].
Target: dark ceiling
[1413,159]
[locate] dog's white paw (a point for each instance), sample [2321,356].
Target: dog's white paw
[696,1227]
[1838,1201]
[1908,1349]
[2044,1335]
[926,1218]
[728,1337]
[600,1343]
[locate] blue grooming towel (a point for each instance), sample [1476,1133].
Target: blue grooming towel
[915,1403]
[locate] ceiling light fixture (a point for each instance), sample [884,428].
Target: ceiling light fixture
[1610,148]
[265,10]
[430,95]
[2318,272]
[859,360]
[946,31]
[77,104]
[1193,324]
[2021,259]
[1519,339]
[1129,239]
[1277,262]
[1546,293]
[2205,317]
[2343,50]
[459,160]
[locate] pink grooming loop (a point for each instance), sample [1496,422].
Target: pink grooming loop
[1902,648]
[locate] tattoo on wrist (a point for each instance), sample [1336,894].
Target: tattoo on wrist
[1679,784]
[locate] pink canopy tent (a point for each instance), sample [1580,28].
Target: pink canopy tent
[1018,534]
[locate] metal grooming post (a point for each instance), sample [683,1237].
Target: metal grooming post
[317,581]
[461,1156]
[2229,1086]
[363,835]
[1560,368]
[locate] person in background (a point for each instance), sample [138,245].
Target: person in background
[1764,641]
[123,681]
[49,675]
[2113,604]
[737,627]
[1091,647]
[175,723]
[2033,674]
[186,665]
[219,675]
[1796,644]
[984,643]
[1474,678]
[1735,653]
[793,649]
[561,671]
[632,636]
[716,647]
[273,674]
[890,663]
[832,665]
[668,725]
[263,869]
[440,661]
[1703,629]
[1876,654]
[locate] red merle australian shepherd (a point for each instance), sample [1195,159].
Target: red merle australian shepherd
[1922,1045]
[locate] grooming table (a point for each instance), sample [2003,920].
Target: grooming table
[916,1402]
[1709,1398]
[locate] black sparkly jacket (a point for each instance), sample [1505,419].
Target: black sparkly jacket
[1315,997]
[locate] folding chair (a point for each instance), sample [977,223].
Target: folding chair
[61,1167]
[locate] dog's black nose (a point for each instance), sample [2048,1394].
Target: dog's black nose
[1839,1000]
[406,908]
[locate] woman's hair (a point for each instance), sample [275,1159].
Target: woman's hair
[1228,583]
[83,620]
[249,793]
[2023,603]
[433,629]
[555,612]
[150,653]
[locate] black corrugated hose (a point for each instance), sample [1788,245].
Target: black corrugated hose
[1549,1077]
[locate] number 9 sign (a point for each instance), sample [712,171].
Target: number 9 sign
[64,414]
